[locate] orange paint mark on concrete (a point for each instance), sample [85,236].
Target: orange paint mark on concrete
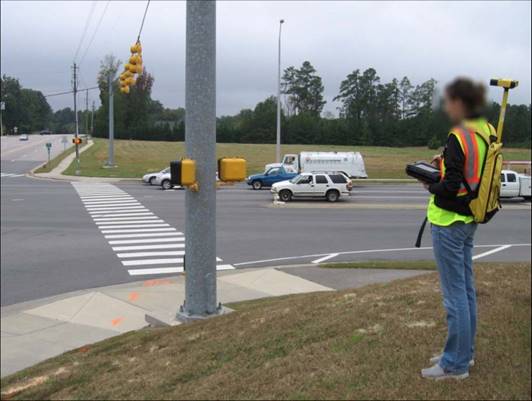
[133,296]
[84,349]
[155,282]
[116,321]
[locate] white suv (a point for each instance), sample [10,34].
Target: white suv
[330,186]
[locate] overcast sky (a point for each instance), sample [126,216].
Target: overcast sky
[421,40]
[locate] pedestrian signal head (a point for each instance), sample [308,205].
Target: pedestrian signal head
[232,169]
[183,173]
[505,83]
[76,141]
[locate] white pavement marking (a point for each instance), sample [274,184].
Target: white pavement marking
[146,247]
[124,220]
[147,240]
[146,262]
[254,262]
[140,235]
[324,258]
[501,248]
[11,175]
[146,254]
[140,230]
[136,226]
[119,214]
[160,270]
[99,223]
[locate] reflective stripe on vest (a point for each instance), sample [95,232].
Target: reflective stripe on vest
[469,143]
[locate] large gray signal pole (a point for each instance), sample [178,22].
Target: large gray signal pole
[200,140]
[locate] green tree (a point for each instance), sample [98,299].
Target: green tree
[304,88]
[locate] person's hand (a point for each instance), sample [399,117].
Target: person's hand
[425,185]
[436,160]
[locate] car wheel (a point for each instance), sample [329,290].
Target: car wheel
[285,195]
[150,181]
[256,185]
[332,196]
[166,184]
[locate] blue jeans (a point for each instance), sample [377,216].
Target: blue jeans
[453,250]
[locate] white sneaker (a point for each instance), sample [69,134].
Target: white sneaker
[437,373]
[436,359]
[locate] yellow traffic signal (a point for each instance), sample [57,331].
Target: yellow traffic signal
[136,48]
[124,89]
[183,173]
[232,169]
[129,81]
[76,141]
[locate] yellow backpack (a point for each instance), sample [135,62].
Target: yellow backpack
[484,201]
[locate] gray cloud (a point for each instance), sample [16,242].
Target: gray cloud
[417,39]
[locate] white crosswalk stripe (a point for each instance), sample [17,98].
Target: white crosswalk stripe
[11,175]
[136,234]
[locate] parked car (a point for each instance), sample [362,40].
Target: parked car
[269,177]
[514,184]
[330,186]
[150,177]
[23,137]
[45,132]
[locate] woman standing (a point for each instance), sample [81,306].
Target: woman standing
[453,227]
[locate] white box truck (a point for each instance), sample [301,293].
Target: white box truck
[349,163]
[514,185]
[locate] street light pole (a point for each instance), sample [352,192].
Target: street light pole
[76,114]
[111,155]
[200,141]
[278,142]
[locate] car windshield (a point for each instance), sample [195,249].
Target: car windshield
[295,179]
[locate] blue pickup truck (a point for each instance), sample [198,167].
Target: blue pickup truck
[269,177]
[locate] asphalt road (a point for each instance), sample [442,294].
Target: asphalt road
[18,157]
[51,242]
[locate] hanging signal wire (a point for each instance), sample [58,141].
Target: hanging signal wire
[95,31]
[71,91]
[87,22]
[143,18]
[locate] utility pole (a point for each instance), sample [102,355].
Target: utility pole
[278,142]
[92,119]
[87,112]
[200,141]
[2,108]
[111,156]
[76,134]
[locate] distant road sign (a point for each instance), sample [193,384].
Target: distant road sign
[2,105]
[48,145]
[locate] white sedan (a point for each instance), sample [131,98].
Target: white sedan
[150,177]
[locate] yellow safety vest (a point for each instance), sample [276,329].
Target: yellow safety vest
[473,138]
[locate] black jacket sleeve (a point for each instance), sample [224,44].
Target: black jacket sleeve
[454,160]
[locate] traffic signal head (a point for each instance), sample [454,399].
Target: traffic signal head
[76,141]
[183,173]
[124,89]
[136,48]
[232,169]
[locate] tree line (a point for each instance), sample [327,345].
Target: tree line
[370,112]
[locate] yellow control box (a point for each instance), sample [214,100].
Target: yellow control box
[232,169]
[183,172]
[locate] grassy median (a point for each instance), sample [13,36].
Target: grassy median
[368,343]
[46,168]
[136,158]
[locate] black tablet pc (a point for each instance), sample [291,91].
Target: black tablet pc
[423,171]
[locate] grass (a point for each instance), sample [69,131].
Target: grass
[368,343]
[136,158]
[384,264]
[46,168]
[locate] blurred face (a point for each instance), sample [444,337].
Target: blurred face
[454,108]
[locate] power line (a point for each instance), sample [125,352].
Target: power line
[71,91]
[87,22]
[143,18]
[95,31]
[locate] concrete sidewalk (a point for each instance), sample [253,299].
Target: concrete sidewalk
[37,330]
[34,331]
